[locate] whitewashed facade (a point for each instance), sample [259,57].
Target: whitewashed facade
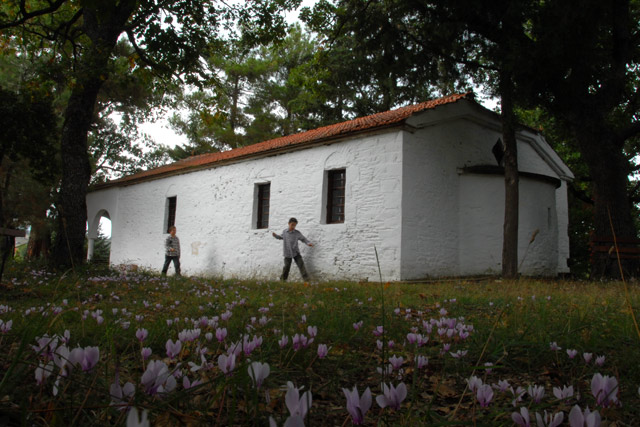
[423,191]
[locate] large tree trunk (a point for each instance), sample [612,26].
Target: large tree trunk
[39,238]
[76,171]
[103,23]
[609,170]
[511,181]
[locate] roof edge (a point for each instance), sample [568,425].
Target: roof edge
[331,133]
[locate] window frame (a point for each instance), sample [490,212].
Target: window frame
[261,200]
[333,184]
[170,213]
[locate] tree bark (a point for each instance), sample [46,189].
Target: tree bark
[609,170]
[511,180]
[103,23]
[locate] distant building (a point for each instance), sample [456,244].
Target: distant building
[422,184]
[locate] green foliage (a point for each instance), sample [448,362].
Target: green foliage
[79,42]
[261,93]
[29,128]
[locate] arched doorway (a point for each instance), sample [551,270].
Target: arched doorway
[99,247]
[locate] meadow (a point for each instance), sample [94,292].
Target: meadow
[115,347]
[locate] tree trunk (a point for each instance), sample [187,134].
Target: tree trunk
[76,171]
[103,23]
[609,170]
[510,229]
[39,239]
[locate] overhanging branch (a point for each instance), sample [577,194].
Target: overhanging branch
[24,16]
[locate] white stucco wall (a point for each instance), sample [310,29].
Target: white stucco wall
[215,214]
[452,222]
[562,209]
[406,194]
[482,202]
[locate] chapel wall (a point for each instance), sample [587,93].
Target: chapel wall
[215,214]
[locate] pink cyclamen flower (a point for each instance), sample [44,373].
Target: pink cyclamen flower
[357,325]
[5,326]
[145,352]
[517,394]
[221,334]
[322,351]
[577,418]
[392,396]
[357,405]
[554,346]
[258,372]
[282,342]
[173,349]
[43,372]
[378,331]
[572,353]
[587,357]
[312,331]
[137,420]
[300,341]
[61,360]
[87,358]
[550,420]
[396,362]
[142,334]
[522,418]
[187,384]
[600,360]
[412,338]
[296,404]
[422,361]
[474,383]
[564,393]
[227,363]
[605,390]
[46,346]
[157,378]
[536,393]
[422,340]
[459,354]
[484,394]
[502,386]
[121,395]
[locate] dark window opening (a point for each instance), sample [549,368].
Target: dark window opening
[498,152]
[336,180]
[171,212]
[264,191]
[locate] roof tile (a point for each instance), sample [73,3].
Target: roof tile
[337,130]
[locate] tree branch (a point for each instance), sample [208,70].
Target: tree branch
[144,56]
[628,132]
[29,15]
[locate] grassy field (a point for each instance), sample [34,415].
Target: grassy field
[71,343]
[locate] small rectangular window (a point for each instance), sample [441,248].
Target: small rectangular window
[336,180]
[264,191]
[171,212]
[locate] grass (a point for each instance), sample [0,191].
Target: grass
[514,323]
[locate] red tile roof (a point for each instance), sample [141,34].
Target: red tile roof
[338,130]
